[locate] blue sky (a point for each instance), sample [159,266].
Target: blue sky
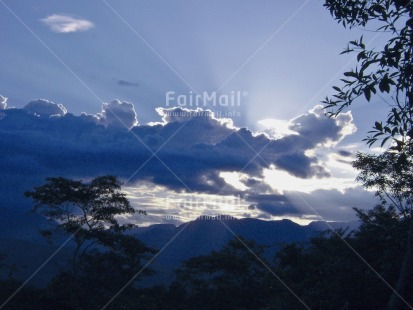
[280,57]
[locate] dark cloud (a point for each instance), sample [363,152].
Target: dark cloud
[332,204]
[273,204]
[344,153]
[252,207]
[124,83]
[192,147]
[301,165]
[264,216]
[325,204]
[315,129]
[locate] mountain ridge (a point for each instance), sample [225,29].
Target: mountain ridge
[27,249]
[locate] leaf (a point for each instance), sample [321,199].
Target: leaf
[384,141]
[361,55]
[396,115]
[378,126]
[367,93]
[337,88]
[382,85]
[351,73]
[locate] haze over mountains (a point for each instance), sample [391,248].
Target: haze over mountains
[27,249]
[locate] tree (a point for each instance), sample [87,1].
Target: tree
[388,69]
[85,210]
[7,268]
[391,175]
[231,278]
[104,258]
[327,275]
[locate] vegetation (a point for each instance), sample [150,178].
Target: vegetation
[232,278]
[104,257]
[324,274]
[388,69]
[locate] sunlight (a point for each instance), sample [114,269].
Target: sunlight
[233,179]
[161,203]
[282,181]
[275,128]
[298,220]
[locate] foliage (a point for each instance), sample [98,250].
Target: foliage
[391,175]
[105,258]
[388,70]
[87,211]
[231,278]
[328,274]
[325,273]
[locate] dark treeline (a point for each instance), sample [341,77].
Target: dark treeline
[336,270]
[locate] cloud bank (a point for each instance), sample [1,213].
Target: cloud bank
[193,149]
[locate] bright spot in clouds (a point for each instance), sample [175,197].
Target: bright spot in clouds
[66,23]
[3,102]
[282,182]
[233,179]
[275,128]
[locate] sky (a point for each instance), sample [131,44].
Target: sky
[201,108]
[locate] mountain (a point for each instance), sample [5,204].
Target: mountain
[204,235]
[24,247]
[26,250]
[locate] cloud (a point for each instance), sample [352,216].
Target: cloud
[118,114]
[332,204]
[322,204]
[114,115]
[62,23]
[193,147]
[201,126]
[3,102]
[316,128]
[45,108]
[127,83]
[273,204]
[344,153]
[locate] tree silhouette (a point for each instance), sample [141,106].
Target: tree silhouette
[85,210]
[327,274]
[104,258]
[391,175]
[388,69]
[231,278]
